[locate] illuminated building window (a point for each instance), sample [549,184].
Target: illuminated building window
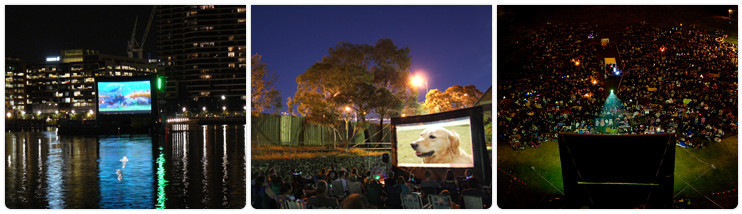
[241,60]
[241,10]
[206,28]
[207,44]
[230,54]
[190,13]
[231,38]
[240,20]
[204,7]
[230,48]
[195,44]
[205,93]
[231,65]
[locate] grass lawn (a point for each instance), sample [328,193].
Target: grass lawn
[699,174]
[404,138]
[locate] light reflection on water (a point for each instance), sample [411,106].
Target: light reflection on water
[48,171]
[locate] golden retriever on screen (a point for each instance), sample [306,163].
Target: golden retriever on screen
[439,145]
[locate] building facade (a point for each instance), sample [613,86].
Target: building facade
[203,49]
[67,83]
[16,97]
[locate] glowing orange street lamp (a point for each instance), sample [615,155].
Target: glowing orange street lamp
[418,81]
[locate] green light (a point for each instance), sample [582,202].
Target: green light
[618,183]
[376,177]
[161,182]
[159,83]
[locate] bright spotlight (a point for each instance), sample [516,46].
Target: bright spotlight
[611,91]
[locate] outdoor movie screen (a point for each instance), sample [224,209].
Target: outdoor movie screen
[444,143]
[124,97]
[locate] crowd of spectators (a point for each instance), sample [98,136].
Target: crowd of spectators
[678,79]
[350,188]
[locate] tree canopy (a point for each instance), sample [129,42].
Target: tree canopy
[455,97]
[353,81]
[264,96]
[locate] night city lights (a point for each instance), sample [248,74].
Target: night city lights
[103,113]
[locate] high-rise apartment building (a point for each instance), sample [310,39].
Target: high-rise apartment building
[16,97]
[203,49]
[67,82]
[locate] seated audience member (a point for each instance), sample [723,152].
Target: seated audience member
[450,184]
[286,195]
[355,201]
[374,192]
[476,190]
[429,183]
[465,183]
[394,199]
[354,186]
[320,200]
[320,175]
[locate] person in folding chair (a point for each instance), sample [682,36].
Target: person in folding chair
[411,201]
[320,200]
[475,197]
[440,201]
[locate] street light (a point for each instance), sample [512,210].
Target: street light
[224,108]
[204,108]
[418,81]
[223,97]
[184,109]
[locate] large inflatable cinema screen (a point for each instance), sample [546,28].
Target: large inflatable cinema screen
[125,97]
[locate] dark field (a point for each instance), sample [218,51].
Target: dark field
[699,175]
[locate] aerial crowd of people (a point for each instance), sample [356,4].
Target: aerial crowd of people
[673,79]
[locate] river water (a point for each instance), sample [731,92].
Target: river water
[191,166]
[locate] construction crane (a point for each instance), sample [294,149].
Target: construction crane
[134,48]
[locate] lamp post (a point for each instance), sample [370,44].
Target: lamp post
[417,81]
[347,109]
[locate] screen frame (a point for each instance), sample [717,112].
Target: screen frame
[432,124]
[153,94]
[482,166]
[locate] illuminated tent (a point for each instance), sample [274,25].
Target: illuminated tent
[610,61]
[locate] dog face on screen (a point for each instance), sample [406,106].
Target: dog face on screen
[440,145]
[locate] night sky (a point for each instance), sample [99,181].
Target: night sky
[449,44]
[34,32]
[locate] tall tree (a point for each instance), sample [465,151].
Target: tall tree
[264,96]
[390,66]
[455,97]
[366,79]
